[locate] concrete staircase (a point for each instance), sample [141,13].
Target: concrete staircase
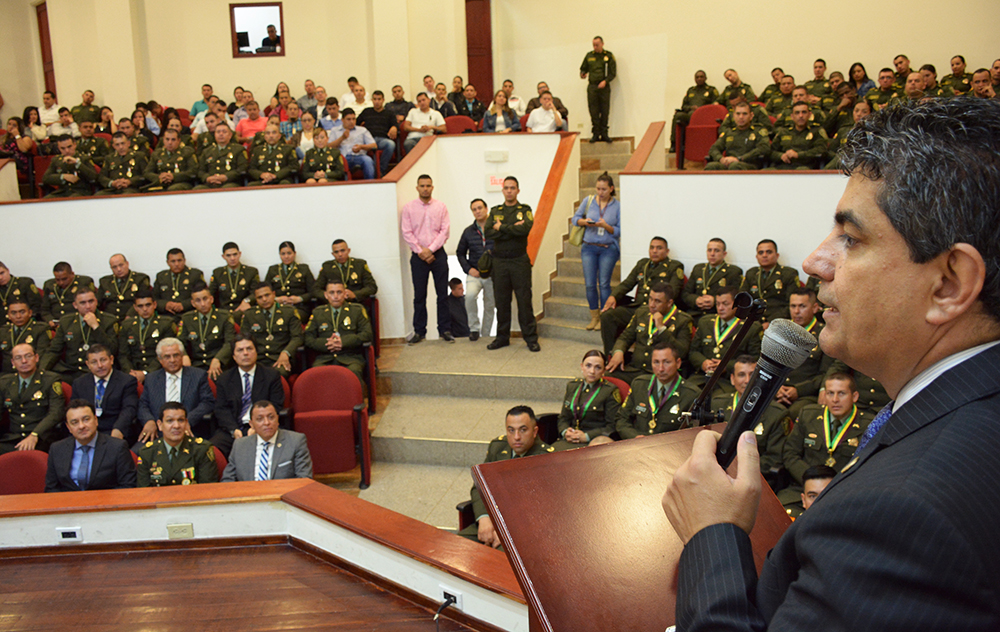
[566,309]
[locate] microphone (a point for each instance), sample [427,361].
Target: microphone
[785,347]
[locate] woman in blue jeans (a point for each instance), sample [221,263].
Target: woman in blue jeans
[601,216]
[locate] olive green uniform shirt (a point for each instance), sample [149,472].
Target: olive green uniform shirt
[20,287]
[82,113]
[273,331]
[294,280]
[697,96]
[771,430]
[637,417]
[706,344]
[130,166]
[137,342]
[592,408]
[278,159]
[183,164]
[676,329]
[231,287]
[500,450]
[193,462]
[773,287]
[96,148]
[230,161]
[117,296]
[959,84]
[878,98]
[84,168]
[511,241]
[704,280]
[57,302]
[33,333]
[38,408]
[808,143]
[327,160]
[749,146]
[730,92]
[208,339]
[355,274]
[73,338]
[351,322]
[599,67]
[644,274]
[806,445]
[819,87]
[170,287]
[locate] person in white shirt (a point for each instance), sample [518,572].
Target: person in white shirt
[421,121]
[514,102]
[348,96]
[65,125]
[429,86]
[545,118]
[48,114]
[360,101]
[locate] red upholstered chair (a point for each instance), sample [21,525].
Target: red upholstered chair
[107,137]
[623,388]
[347,168]
[330,410]
[524,123]
[702,130]
[185,116]
[23,472]
[220,461]
[211,385]
[459,124]
[41,165]
[67,392]
[371,305]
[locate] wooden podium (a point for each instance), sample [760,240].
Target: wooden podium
[587,537]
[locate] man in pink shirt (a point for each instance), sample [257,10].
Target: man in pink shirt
[249,126]
[425,226]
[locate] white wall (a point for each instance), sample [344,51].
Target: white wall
[86,232]
[795,210]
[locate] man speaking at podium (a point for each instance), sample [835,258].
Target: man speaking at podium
[905,537]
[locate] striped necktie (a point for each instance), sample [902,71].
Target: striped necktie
[100,392]
[245,402]
[173,388]
[83,471]
[263,468]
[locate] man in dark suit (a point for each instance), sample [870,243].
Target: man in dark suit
[88,459]
[905,536]
[177,383]
[232,403]
[268,453]
[114,395]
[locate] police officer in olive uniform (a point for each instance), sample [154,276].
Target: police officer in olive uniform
[325,159]
[171,168]
[86,112]
[807,144]
[294,279]
[770,281]
[122,171]
[231,286]
[771,430]
[705,277]
[223,164]
[880,96]
[71,174]
[715,334]
[746,147]
[276,330]
[59,292]
[354,272]
[139,335]
[116,291]
[736,90]
[272,162]
[819,87]
[12,287]
[520,440]
[959,84]
[772,88]
[645,332]
[34,403]
[21,328]
[872,397]
[616,314]
[599,68]
[589,407]
[760,120]
[172,287]
[338,331]
[697,95]
[176,458]
[93,146]
[803,383]
[508,225]
[207,333]
[207,139]
[67,354]
[655,403]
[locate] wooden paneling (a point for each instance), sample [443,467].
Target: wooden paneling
[645,148]
[45,40]
[243,588]
[479,47]
[546,203]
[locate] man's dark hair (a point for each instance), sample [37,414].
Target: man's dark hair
[172,406]
[768,241]
[207,85]
[80,403]
[229,244]
[516,411]
[929,67]
[512,178]
[801,290]
[332,101]
[890,70]
[662,287]
[818,472]
[658,238]
[260,285]
[901,55]
[119,135]
[778,68]
[428,77]
[454,282]
[731,290]
[84,290]
[846,377]
[175,251]
[240,337]
[337,241]
[424,176]
[378,93]
[171,131]
[352,80]
[544,92]
[62,266]
[720,240]
[263,403]
[960,57]
[745,358]
[479,200]
[938,173]
[667,344]
[50,93]
[347,112]
[95,348]
[143,292]
[61,110]
[599,37]
[21,300]
[214,115]
[821,60]
[200,286]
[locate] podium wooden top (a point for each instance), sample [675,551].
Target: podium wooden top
[587,536]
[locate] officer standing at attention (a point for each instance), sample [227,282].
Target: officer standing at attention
[177,458]
[508,225]
[599,68]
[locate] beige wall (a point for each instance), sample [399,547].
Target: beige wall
[21,81]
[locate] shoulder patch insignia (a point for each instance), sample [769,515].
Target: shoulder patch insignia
[57,388]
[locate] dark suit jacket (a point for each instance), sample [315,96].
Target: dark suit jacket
[904,539]
[120,404]
[229,394]
[196,395]
[112,466]
[290,459]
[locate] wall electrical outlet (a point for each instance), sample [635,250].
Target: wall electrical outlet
[180,531]
[69,534]
[451,592]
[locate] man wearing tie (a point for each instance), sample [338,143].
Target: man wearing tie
[177,458]
[113,394]
[239,386]
[88,459]
[268,453]
[34,402]
[176,383]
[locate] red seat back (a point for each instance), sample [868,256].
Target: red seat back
[524,123]
[67,392]
[23,472]
[288,392]
[324,401]
[220,461]
[710,114]
[106,137]
[702,130]
[326,388]
[623,388]
[459,124]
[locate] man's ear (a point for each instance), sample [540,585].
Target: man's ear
[959,276]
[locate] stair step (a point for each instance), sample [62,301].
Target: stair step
[565,329]
[568,308]
[589,178]
[573,267]
[590,150]
[569,287]
[611,162]
[585,191]
[485,386]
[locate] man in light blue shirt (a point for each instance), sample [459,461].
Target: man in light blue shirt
[201,106]
[88,459]
[331,122]
[355,146]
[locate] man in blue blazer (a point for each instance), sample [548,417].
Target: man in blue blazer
[88,459]
[231,419]
[193,390]
[269,452]
[119,401]
[905,537]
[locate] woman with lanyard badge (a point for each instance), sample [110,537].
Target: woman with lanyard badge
[600,215]
[293,282]
[590,407]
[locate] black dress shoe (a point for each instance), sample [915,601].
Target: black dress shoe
[497,344]
[594,138]
[607,139]
[416,338]
[533,346]
[447,337]
[474,336]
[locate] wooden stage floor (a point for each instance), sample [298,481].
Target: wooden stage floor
[245,588]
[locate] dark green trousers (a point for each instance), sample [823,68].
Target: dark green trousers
[513,277]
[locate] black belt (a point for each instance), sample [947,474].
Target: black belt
[587,243]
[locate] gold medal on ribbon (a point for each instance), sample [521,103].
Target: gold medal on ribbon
[831,462]
[652,424]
